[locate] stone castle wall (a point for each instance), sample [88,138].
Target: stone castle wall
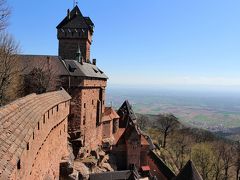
[87,100]
[38,138]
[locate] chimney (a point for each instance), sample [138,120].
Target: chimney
[94,61]
[68,14]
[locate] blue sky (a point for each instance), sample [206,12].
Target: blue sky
[165,43]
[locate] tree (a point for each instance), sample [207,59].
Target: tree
[181,148]
[237,160]
[40,79]
[4,14]
[166,123]
[9,69]
[227,157]
[142,121]
[202,155]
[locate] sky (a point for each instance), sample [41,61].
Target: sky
[147,43]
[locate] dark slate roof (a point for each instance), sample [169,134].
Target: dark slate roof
[189,172]
[150,142]
[76,20]
[127,110]
[162,166]
[60,67]
[116,175]
[28,62]
[84,70]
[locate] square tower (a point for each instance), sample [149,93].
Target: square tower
[75,31]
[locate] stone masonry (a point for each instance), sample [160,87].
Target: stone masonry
[33,135]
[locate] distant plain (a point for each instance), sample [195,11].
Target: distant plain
[214,111]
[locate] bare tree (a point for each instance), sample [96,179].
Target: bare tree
[4,14]
[40,79]
[237,160]
[181,147]
[167,123]
[227,157]
[202,155]
[9,70]
[142,121]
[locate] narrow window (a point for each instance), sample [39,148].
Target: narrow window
[57,108]
[19,164]
[44,119]
[48,114]
[27,146]
[60,132]
[52,110]
[33,135]
[92,102]
[84,120]
[98,113]
[38,125]
[84,105]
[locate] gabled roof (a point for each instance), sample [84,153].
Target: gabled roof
[76,20]
[109,114]
[126,110]
[162,166]
[189,172]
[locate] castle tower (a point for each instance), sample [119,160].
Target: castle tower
[73,32]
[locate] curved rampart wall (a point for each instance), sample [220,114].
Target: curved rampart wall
[33,136]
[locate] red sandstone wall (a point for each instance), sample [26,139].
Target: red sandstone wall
[47,146]
[107,129]
[84,110]
[133,149]
[68,48]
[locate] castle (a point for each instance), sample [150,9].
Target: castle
[34,129]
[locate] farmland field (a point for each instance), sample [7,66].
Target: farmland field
[214,112]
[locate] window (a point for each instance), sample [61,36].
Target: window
[44,119]
[84,120]
[84,105]
[27,146]
[98,113]
[38,125]
[60,132]
[33,135]
[92,102]
[57,108]
[48,115]
[19,164]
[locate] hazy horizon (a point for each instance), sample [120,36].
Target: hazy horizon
[169,43]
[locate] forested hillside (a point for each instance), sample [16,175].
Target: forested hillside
[215,157]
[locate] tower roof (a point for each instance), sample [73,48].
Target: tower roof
[75,19]
[189,172]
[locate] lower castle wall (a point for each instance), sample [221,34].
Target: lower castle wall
[47,145]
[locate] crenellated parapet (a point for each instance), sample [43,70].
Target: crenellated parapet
[33,136]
